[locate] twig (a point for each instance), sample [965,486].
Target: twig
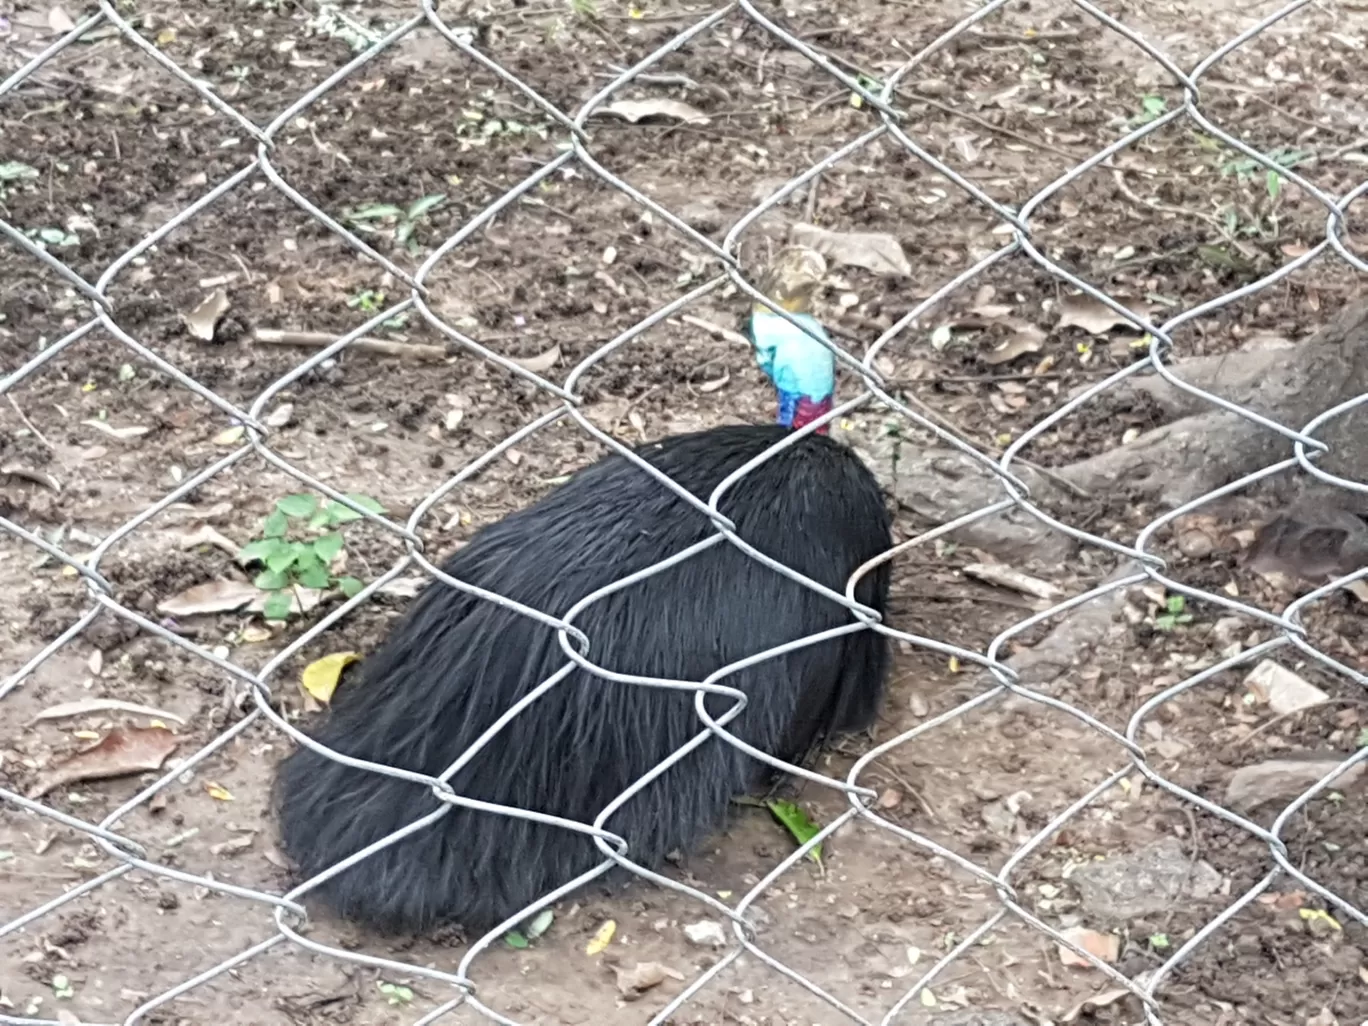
[617,421]
[377,346]
[716,330]
[29,424]
[946,108]
[812,198]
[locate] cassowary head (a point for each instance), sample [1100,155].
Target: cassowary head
[802,368]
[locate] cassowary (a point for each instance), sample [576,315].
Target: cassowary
[455,663]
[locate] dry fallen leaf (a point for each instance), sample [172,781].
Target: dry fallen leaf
[1095,1003]
[239,843]
[1027,338]
[632,983]
[280,416]
[1094,316]
[715,383]
[600,941]
[210,597]
[1106,946]
[320,677]
[202,320]
[541,362]
[219,792]
[637,110]
[124,750]
[38,477]
[874,251]
[59,21]
[85,706]
[204,534]
[123,433]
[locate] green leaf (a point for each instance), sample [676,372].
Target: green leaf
[1274,184]
[321,519]
[799,825]
[301,505]
[315,576]
[306,559]
[1176,603]
[422,206]
[259,550]
[276,525]
[283,558]
[349,586]
[515,940]
[340,514]
[366,502]
[327,547]
[270,580]
[375,212]
[277,606]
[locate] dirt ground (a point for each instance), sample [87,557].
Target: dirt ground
[114,147]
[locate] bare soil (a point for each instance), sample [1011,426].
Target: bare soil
[118,147]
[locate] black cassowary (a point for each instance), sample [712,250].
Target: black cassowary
[455,663]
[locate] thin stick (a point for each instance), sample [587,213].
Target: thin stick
[377,346]
[29,424]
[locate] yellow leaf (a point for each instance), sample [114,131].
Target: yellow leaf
[89,386]
[856,100]
[219,791]
[158,724]
[320,677]
[166,36]
[1310,914]
[602,939]
[86,735]
[954,664]
[927,998]
[231,436]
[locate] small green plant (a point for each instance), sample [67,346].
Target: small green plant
[299,541]
[371,301]
[396,993]
[402,222]
[62,988]
[12,171]
[1152,108]
[1173,614]
[1362,739]
[53,238]
[584,8]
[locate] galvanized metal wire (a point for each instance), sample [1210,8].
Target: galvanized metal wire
[891,126]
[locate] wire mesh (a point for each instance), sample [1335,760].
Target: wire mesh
[889,123]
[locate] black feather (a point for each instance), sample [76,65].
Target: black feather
[455,663]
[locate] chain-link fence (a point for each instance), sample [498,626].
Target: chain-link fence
[888,125]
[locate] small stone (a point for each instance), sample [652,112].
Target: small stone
[706,934]
[1282,779]
[1283,690]
[1146,882]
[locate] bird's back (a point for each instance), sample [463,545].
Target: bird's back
[455,663]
